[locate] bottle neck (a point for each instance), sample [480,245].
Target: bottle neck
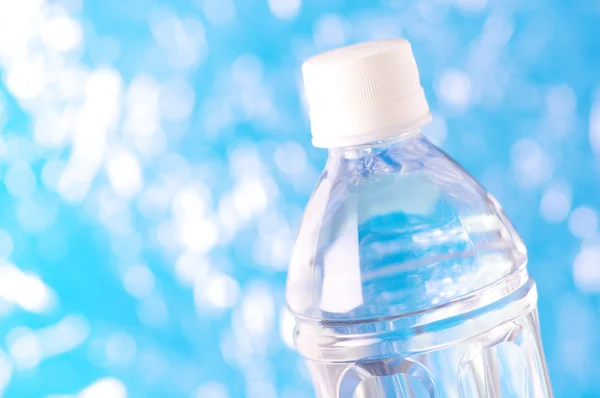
[363,150]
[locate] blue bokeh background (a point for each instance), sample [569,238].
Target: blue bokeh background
[155,159]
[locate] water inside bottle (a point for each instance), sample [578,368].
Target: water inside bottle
[407,280]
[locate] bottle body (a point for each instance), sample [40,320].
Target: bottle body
[407,280]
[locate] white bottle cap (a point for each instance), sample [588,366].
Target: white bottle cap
[363,93]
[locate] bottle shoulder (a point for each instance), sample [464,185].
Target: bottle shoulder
[397,230]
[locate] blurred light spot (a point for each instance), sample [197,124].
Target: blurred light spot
[260,389]
[176,100]
[5,372]
[165,235]
[191,267]
[556,204]
[211,389]
[104,388]
[286,327]
[63,336]
[110,209]
[219,290]
[532,166]
[498,29]
[62,34]
[71,5]
[216,114]
[3,149]
[182,40]
[96,117]
[455,89]
[142,121]
[436,130]
[124,173]
[152,311]
[257,103]
[20,180]
[197,233]
[274,251]
[26,78]
[152,365]
[381,29]
[586,269]
[329,32]
[6,244]
[25,290]
[139,281]
[71,86]
[250,197]
[247,70]
[36,215]
[24,348]
[583,222]
[595,123]
[471,5]
[561,100]
[258,309]
[51,173]
[574,342]
[191,201]
[120,349]
[290,158]
[218,12]
[430,11]
[285,9]
[19,149]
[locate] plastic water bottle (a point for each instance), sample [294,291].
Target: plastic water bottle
[407,279]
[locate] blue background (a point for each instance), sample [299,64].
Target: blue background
[155,160]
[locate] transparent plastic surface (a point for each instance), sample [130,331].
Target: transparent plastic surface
[407,280]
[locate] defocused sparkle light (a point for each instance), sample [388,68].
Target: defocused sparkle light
[25,290]
[104,388]
[561,100]
[211,389]
[329,32]
[556,204]
[218,12]
[583,222]
[258,309]
[5,371]
[595,123]
[124,173]
[586,272]
[285,9]
[290,157]
[6,244]
[191,267]
[182,40]
[139,281]
[26,78]
[531,164]
[25,348]
[176,100]
[120,349]
[455,89]
[20,180]
[62,34]
[218,290]
[63,336]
